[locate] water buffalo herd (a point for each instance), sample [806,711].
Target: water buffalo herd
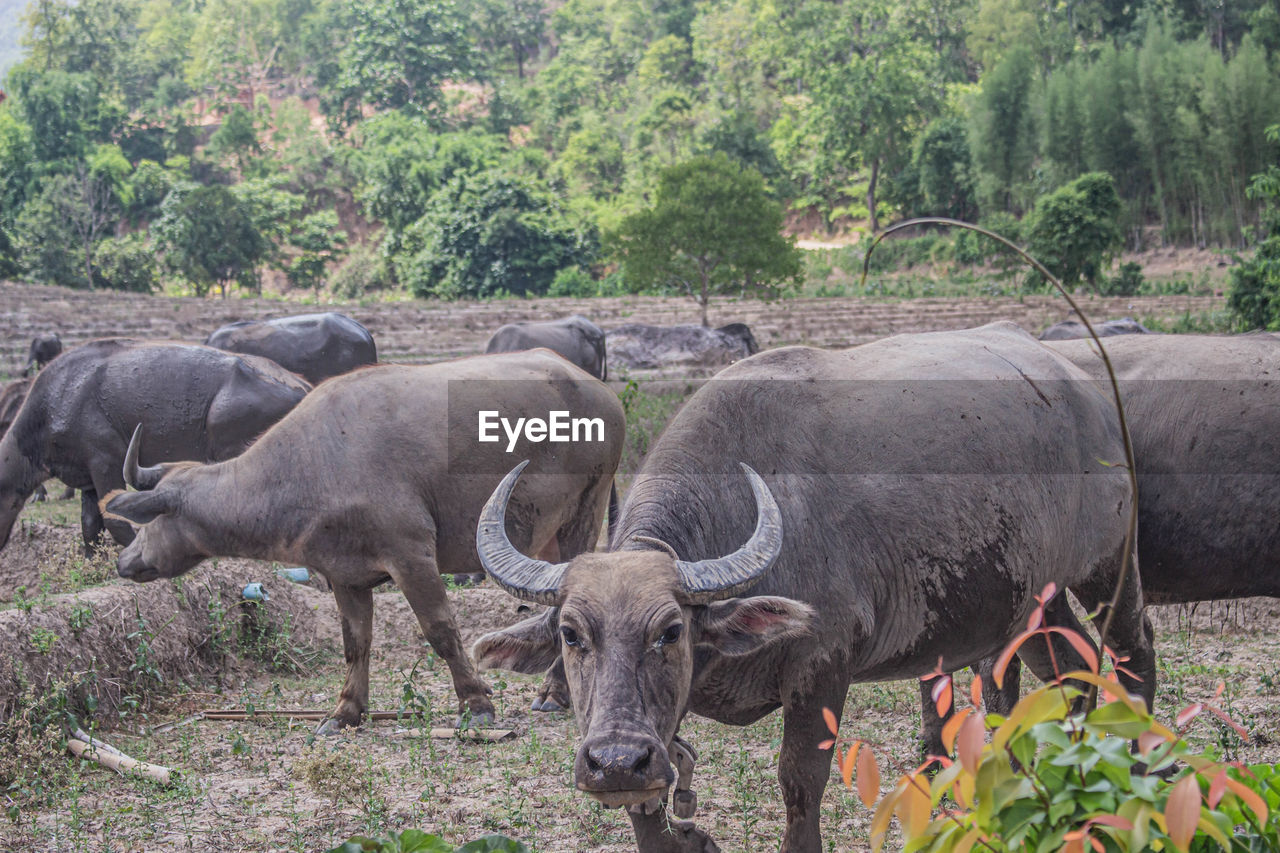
[809,519]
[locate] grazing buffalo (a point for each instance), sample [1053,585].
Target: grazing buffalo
[576,338]
[917,493]
[1069,330]
[380,475]
[194,402]
[314,346]
[44,349]
[638,345]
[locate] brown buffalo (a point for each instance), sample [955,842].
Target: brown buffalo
[917,493]
[377,476]
[575,338]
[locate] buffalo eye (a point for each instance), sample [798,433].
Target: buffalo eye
[570,636]
[670,636]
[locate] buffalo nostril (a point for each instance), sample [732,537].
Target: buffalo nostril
[614,759]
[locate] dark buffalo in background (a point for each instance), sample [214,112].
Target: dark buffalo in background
[917,493]
[44,349]
[193,401]
[575,338]
[11,397]
[638,345]
[1069,330]
[314,346]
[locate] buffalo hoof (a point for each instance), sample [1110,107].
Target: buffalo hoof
[469,720]
[333,726]
[547,704]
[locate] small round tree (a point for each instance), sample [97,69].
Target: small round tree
[712,229]
[209,237]
[1075,230]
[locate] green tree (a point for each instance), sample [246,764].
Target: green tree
[712,229]
[319,241]
[209,237]
[1254,296]
[942,166]
[868,83]
[1075,230]
[489,235]
[236,138]
[125,263]
[1002,132]
[401,51]
[45,242]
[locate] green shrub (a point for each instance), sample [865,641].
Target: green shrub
[573,281]
[1129,281]
[365,271]
[1050,778]
[125,263]
[1075,229]
[1254,296]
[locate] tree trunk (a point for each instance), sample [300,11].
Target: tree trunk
[872,221]
[702,300]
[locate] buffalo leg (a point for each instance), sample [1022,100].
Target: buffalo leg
[356,608]
[1131,635]
[803,769]
[424,589]
[90,521]
[658,833]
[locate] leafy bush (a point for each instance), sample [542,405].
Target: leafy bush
[1053,778]
[125,263]
[1075,229]
[1254,295]
[974,248]
[573,281]
[365,271]
[489,235]
[1128,281]
[417,841]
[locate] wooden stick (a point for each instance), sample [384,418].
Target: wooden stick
[116,760]
[488,735]
[295,713]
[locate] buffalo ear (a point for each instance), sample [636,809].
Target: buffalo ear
[530,646]
[738,626]
[136,507]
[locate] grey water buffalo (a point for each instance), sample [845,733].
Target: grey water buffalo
[314,346]
[1204,416]
[43,349]
[1069,330]
[638,345]
[193,401]
[380,475]
[914,495]
[576,338]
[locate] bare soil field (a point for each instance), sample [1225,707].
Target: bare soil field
[421,331]
[153,655]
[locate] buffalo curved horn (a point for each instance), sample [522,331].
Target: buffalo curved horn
[524,577]
[706,581]
[135,475]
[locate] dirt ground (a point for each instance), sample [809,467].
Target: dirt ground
[166,650]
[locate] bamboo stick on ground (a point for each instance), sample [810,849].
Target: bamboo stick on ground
[110,757]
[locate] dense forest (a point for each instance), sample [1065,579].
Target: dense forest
[481,147]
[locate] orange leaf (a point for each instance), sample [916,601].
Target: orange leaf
[975,691]
[1250,797]
[1050,589]
[1239,729]
[1188,714]
[1036,619]
[832,725]
[1082,646]
[1112,820]
[846,764]
[914,809]
[969,743]
[942,695]
[1073,845]
[1222,685]
[1217,788]
[951,726]
[1182,812]
[868,777]
[1148,741]
[1002,662]
[827,744]
[1097,845]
